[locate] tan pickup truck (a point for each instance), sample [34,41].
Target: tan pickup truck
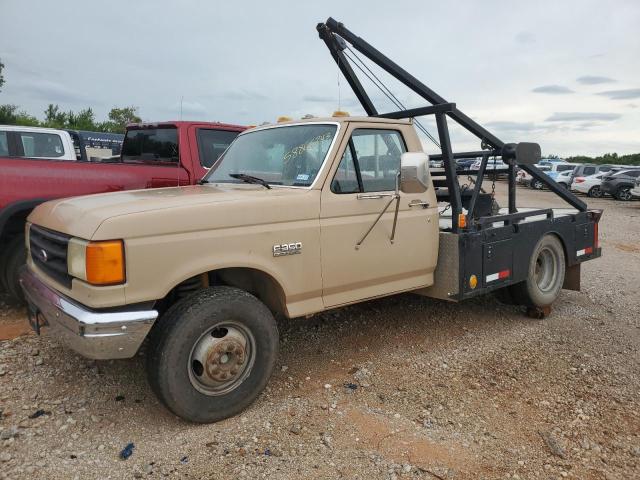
[294,219]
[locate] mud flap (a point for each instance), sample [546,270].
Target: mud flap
[572,278]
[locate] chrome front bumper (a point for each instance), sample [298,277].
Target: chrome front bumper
[97,335]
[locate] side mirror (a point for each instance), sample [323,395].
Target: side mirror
[414,172]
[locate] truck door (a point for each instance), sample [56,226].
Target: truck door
[357,190]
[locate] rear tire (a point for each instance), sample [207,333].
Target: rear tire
[537,184]
[545,276]
[212,353]
[595,192]
[14,258]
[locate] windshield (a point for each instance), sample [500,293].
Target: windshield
[288,155]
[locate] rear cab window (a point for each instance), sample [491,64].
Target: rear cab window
[151,146]
[212,144]
[41,145]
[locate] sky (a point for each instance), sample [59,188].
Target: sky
[565,74]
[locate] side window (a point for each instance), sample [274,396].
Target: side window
[588,171]
[378,156]
[4,145]
[346,179]
[212,144]
[376,163]
[153,146]
[633,173]
[41,145]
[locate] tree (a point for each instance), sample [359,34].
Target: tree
[119,118]
[83,120]
[54,118]
[10,115]
[1,76]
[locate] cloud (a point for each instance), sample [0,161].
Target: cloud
[240,95]
[594,80]
[553,89]
[627,94]
[583,117]
[512,126]
[54,92]
[319,99]
[525,38]
[189,108]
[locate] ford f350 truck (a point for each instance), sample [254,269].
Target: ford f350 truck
[41,164]
[294,219]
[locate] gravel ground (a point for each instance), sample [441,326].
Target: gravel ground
[403,387]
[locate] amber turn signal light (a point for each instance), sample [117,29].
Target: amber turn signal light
[105,262]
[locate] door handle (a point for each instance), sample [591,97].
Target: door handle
[374,196]
[419,203]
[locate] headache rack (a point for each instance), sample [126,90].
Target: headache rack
[497,245]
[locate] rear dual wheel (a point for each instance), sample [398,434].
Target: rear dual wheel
[212,353]
[545,276]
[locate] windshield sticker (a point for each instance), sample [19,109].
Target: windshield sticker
[300,149]
[302,177]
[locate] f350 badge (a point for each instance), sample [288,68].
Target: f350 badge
[287,249]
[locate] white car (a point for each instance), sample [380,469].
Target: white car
[492,164]
[564,178]
[588,185]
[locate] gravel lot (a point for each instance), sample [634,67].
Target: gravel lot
[403,387]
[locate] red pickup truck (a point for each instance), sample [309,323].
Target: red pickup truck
[153,155]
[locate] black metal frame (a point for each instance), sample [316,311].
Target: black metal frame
[336,35]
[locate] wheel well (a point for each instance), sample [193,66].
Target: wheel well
[14,225]
[258,283]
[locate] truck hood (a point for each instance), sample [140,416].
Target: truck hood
[155,210]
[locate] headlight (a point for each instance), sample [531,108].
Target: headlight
[98,263]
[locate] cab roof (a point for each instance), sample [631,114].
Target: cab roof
[336,120]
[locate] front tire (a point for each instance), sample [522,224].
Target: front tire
[212,353]
[15,257]
[545,276]
[624,194]
[537,184]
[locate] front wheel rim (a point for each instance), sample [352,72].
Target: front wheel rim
[221,359]
[624,194]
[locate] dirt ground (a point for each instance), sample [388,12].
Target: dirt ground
[403,387]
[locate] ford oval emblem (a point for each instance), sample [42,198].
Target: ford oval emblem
[43,254]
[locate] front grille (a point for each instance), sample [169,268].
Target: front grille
[49,253]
